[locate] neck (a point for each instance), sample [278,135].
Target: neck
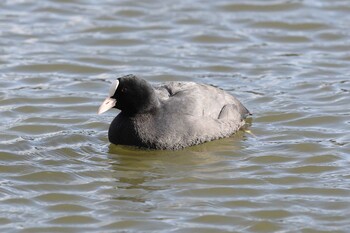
[148,105]
[152,104]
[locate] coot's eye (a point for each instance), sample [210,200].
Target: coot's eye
[124,89]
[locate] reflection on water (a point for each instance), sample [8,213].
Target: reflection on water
[288,61]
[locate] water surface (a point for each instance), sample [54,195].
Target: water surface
[287,61]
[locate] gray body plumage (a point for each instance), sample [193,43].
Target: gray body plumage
[185,114]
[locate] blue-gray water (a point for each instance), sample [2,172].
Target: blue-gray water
[287,61]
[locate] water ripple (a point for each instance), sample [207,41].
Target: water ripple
[288,61]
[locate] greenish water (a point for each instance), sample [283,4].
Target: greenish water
[287,61]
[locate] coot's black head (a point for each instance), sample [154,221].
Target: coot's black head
[131,95]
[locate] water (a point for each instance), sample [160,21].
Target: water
[287,61]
